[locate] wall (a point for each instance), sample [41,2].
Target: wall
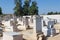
[57,17]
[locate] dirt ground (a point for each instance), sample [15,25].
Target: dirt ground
[57,37]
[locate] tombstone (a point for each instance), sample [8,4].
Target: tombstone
[38,24]
[31,19]
[44,30]
[50,24]
[6,25]
[55,21]
[0,19]
[11,26]
[1,31]
[25,22]
[12,36]
[15,18]
[14,26]
[51,31]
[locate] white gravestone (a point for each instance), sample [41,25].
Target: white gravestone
[12,36]
[37,24]
[51,30]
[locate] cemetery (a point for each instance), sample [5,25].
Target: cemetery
[29,20]
[30,27]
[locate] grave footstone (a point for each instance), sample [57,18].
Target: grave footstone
[12,36]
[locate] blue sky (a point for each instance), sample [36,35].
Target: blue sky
[44,6]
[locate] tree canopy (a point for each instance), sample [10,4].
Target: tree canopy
[34,8]
[18,8]
[1,11]
[53,13]
[26,9]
